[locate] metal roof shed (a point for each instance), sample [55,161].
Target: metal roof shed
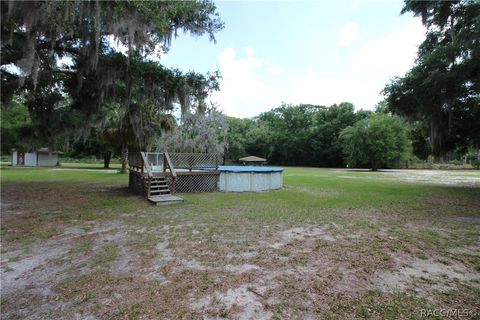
[42,157]
[252,160]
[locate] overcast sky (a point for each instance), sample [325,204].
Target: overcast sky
[318,52]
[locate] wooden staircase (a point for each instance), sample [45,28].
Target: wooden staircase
[158,191]
[158,186]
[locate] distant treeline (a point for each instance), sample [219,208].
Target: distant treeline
[305,135]
[302,135]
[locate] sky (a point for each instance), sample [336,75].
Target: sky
[316,52]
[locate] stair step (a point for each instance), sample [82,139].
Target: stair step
[159,187]
[157,180]
[166,191]
[164,199]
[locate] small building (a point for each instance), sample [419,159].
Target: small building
[42,157]
[253,161]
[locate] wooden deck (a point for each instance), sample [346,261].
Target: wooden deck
[165,199]
[158,178]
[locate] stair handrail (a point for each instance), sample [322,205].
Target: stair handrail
[170,166]
[146,165]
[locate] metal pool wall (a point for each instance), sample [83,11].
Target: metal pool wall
[239,179]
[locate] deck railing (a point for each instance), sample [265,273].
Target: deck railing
[135,161]
[203,167]
[147,161]
[192,161]
[146,165]
[168,163]
[155,160]
[158,162]
[152,162]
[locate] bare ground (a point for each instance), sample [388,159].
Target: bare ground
[364,262]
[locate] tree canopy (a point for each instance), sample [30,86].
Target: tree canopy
[62,59]
[15,123]
[293,134]
[35,35]
[443,87]
[377,141]
[203,131]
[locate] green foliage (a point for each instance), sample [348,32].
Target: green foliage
[329,122]
[36,34]
[380,140]
[67,101]
[443,88]
[475,160]
[16,126]
[197,132]
[294,135]
[290,129]
[237,138]
[476,164]
[420,143]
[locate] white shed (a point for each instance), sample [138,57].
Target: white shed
[42,157]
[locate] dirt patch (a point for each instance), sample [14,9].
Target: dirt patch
[310,232]
[126,263]
[441,177]
[241,268]
[41,212]
[166,262]
[30,268]
[301,233]
[466,250]
[244,302]
[425,276]
[32,273]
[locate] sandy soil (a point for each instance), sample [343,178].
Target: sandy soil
[124,267]
[441,177]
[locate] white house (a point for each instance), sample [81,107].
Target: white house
[38,158]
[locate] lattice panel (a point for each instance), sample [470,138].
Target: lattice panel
[135,159]
[197,183]
[136,182]
[170,183]
[195,160]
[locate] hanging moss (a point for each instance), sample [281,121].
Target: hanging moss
[35,35]
[80,29]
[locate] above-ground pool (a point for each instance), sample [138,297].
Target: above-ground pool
[249,178]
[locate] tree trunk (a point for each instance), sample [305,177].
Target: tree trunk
[124,158]
[66,145]
[107,156]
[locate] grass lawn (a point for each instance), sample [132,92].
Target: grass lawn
[333,244]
